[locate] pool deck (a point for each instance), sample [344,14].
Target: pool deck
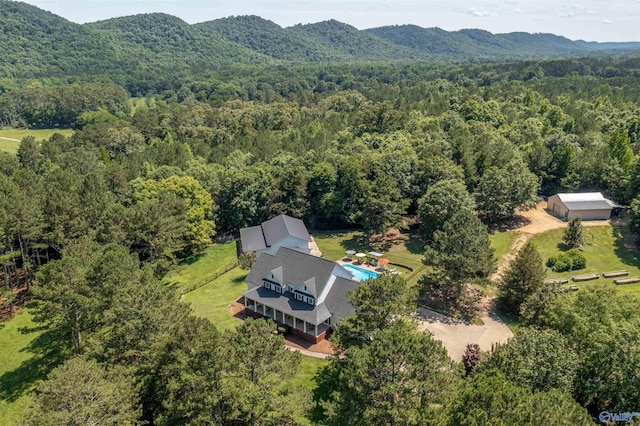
[361,265]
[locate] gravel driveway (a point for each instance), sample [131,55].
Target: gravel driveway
[455,334]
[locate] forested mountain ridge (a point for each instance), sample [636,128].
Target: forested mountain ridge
[38,44]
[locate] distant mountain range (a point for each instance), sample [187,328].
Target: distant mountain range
[36,43]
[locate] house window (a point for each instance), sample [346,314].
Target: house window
[311,300]
[299,296]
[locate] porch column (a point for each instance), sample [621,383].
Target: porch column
[284,320]
[315,330]
[264,310]
[304,326]
[294,322]
[245,301]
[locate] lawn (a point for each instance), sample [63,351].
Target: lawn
[214,299]
[502,242]
[203,268]
[10,138]
[604,250]
[25,358]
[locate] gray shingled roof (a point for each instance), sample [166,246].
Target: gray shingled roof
[337,300]
[252,239]
[298,268]
[289,305]
[283,226]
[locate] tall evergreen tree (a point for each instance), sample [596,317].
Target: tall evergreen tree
[523,278]
[82,392]
[573,236]
[460,251]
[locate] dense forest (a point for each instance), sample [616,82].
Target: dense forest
[172,151]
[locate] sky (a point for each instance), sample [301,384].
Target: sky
[590,20]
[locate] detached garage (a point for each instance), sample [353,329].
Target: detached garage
[588,205]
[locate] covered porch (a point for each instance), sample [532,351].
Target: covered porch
[308,330]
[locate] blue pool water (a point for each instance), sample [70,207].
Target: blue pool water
[360,274]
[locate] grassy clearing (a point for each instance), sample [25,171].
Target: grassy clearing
[214,299]
[203,268]
[8,133]
[605,251]
[25,358]
[305,376]
[502,243]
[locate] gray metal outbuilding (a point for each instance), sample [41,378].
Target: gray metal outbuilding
[587,205]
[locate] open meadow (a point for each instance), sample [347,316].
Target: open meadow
[10,138]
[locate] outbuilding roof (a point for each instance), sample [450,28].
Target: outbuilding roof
[585,201]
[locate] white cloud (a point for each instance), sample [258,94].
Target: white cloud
[566,14]
[607,21]
[481,13]
[517,10]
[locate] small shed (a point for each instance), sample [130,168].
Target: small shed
[588,205]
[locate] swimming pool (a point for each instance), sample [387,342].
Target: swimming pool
[360,274]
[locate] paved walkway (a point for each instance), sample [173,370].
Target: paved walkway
[455,334]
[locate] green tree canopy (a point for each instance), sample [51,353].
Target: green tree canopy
[83,392]
[524,276]
[442,200]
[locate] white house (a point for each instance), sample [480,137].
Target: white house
[281,231]
[587,205]
[306,293]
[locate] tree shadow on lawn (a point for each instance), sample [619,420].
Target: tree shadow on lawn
[357,242]
[191,259]
[626,248]
[46,356]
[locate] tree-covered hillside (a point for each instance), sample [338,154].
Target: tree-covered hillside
[153,47]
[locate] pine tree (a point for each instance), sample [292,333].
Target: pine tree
[573,236]
[523,278]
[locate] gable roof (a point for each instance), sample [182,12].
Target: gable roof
[252,239]
[268,233]
[284,226]
[297,268]
[585,201]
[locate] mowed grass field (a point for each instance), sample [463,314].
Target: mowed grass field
[10,138]
[606,249]
[203,268]
[25,358]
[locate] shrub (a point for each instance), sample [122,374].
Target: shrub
[569,261]
[562,266]
[578,260]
